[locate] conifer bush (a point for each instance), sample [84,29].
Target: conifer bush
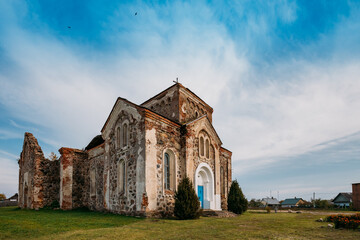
[187,204]
[237,203]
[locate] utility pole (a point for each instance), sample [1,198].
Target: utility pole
[314,199]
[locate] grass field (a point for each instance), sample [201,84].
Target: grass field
[49,224]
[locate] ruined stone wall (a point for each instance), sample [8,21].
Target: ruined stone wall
[51,183]
[162,136]
[191,107]
[38,176]
[80,175]
[166,104]
[73,169]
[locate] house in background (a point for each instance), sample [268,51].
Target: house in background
[270,202]
[343,200]
[292,202]
[14,198]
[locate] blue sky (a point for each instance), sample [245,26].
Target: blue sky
[282,77]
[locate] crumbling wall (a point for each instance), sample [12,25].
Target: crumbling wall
[51,183]
[161,135]
[38,176]
[73,171]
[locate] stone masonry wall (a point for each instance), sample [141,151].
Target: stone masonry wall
[96,163]
[190,107]
[73,169]
[225,163]
[128,200]
[51,183]
[162,135]
[38,177]
[166,104]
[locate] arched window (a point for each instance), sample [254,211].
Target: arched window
[121,176]
[169,170]
[118,137]
[207,148]
[222,181]
[125,135]
[201,146]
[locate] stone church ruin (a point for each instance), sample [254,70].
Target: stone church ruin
[135,165]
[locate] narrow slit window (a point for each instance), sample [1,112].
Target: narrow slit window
[121,177]
[125,133]
[201,146]
[118,137]
[167,171]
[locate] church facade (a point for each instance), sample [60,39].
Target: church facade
[136,164]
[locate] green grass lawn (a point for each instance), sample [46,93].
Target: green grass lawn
[49,224]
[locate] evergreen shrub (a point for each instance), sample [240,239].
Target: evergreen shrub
[187,204]
[237,203]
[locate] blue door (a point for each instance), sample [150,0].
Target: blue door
[201,195]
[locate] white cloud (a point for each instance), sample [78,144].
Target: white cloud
[8,173]
[263,116]
[290,116]
[71,95]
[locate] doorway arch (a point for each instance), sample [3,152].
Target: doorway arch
[204,186]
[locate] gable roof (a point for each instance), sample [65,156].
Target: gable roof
[272,201]
[117,100]
[179,85]
[96,141]
[291,201]
[345,195]
[15,196]
[160,93]
[207,119]
[138,107]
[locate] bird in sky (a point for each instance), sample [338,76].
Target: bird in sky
[135,13]
[69,27]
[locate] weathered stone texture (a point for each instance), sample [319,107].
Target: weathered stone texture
[73,169]
[51,183]
[123,169]
[162,135]
[95,163]
[38,178]
[191,106]
[179,104]
[225,163]
[166,103]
